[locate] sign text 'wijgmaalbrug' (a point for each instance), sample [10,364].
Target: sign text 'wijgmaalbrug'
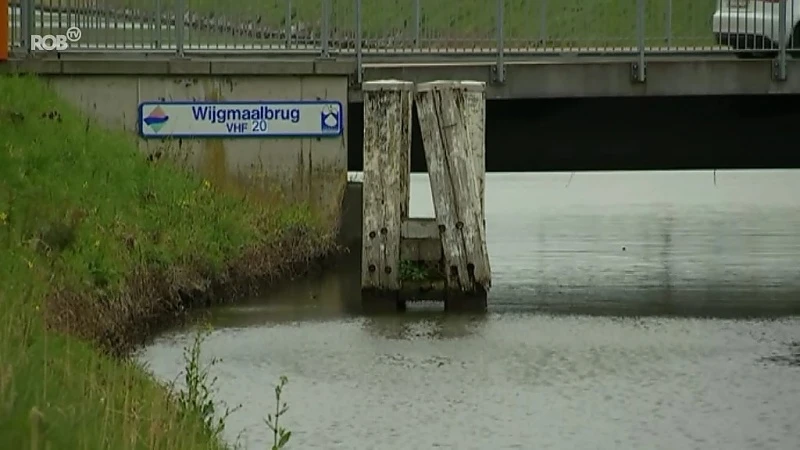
[240,119]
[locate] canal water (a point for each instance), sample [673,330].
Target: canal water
[635,310]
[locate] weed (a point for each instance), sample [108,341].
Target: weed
[196,398]
[418,271]
[280,435]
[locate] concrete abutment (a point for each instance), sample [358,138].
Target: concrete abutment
[309,170]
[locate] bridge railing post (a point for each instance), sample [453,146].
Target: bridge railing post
[158,38]
[326,28]
[779,66]
[639,66]
[180,14]
[26,24]
[417,24]
[543,22]
[287,25]
[500,67]
[359,38]
[668,24]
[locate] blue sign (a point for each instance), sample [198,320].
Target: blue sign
[240,119]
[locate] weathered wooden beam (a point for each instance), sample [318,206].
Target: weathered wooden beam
[455,178]
[387,147]
[420,240]
[428,250]
[474,94]
[420,228]
[475,116]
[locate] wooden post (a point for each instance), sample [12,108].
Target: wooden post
[475,115]
[4,41]
[456,178]
[387,154]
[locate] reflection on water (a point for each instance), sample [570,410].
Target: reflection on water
[622,245]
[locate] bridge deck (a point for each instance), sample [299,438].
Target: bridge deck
[541,77]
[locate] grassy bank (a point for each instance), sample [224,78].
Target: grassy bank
[98,249]
[567,23]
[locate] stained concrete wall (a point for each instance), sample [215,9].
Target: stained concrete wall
[312,170]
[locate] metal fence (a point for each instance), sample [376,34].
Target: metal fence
[495,28]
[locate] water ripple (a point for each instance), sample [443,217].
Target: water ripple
[635,260]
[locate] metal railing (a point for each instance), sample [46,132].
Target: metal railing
[363,28]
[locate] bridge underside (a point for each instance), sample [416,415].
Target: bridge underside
[724,132]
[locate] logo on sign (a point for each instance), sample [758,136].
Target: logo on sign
[156,119]
[58,42]
[330,118]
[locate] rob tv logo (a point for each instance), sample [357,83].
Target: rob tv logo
[58,42]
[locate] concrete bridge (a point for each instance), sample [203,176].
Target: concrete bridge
[530,49]
[525,78]
[653,99]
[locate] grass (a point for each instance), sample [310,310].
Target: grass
[462,23]
[58,392]
[99,247]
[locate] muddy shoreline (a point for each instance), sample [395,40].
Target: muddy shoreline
[156,300]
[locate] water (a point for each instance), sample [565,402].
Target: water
[623,316]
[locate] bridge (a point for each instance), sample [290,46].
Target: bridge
[635,71]
[580,84]
[520,48]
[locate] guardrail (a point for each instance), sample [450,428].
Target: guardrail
[363,28]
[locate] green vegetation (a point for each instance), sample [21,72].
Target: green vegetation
[462,23]
[98,248]
[280,435]
[57,392]
[419,271]
[196,400]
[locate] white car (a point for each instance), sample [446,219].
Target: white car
[754,25]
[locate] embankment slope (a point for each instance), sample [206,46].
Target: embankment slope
[100,247]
